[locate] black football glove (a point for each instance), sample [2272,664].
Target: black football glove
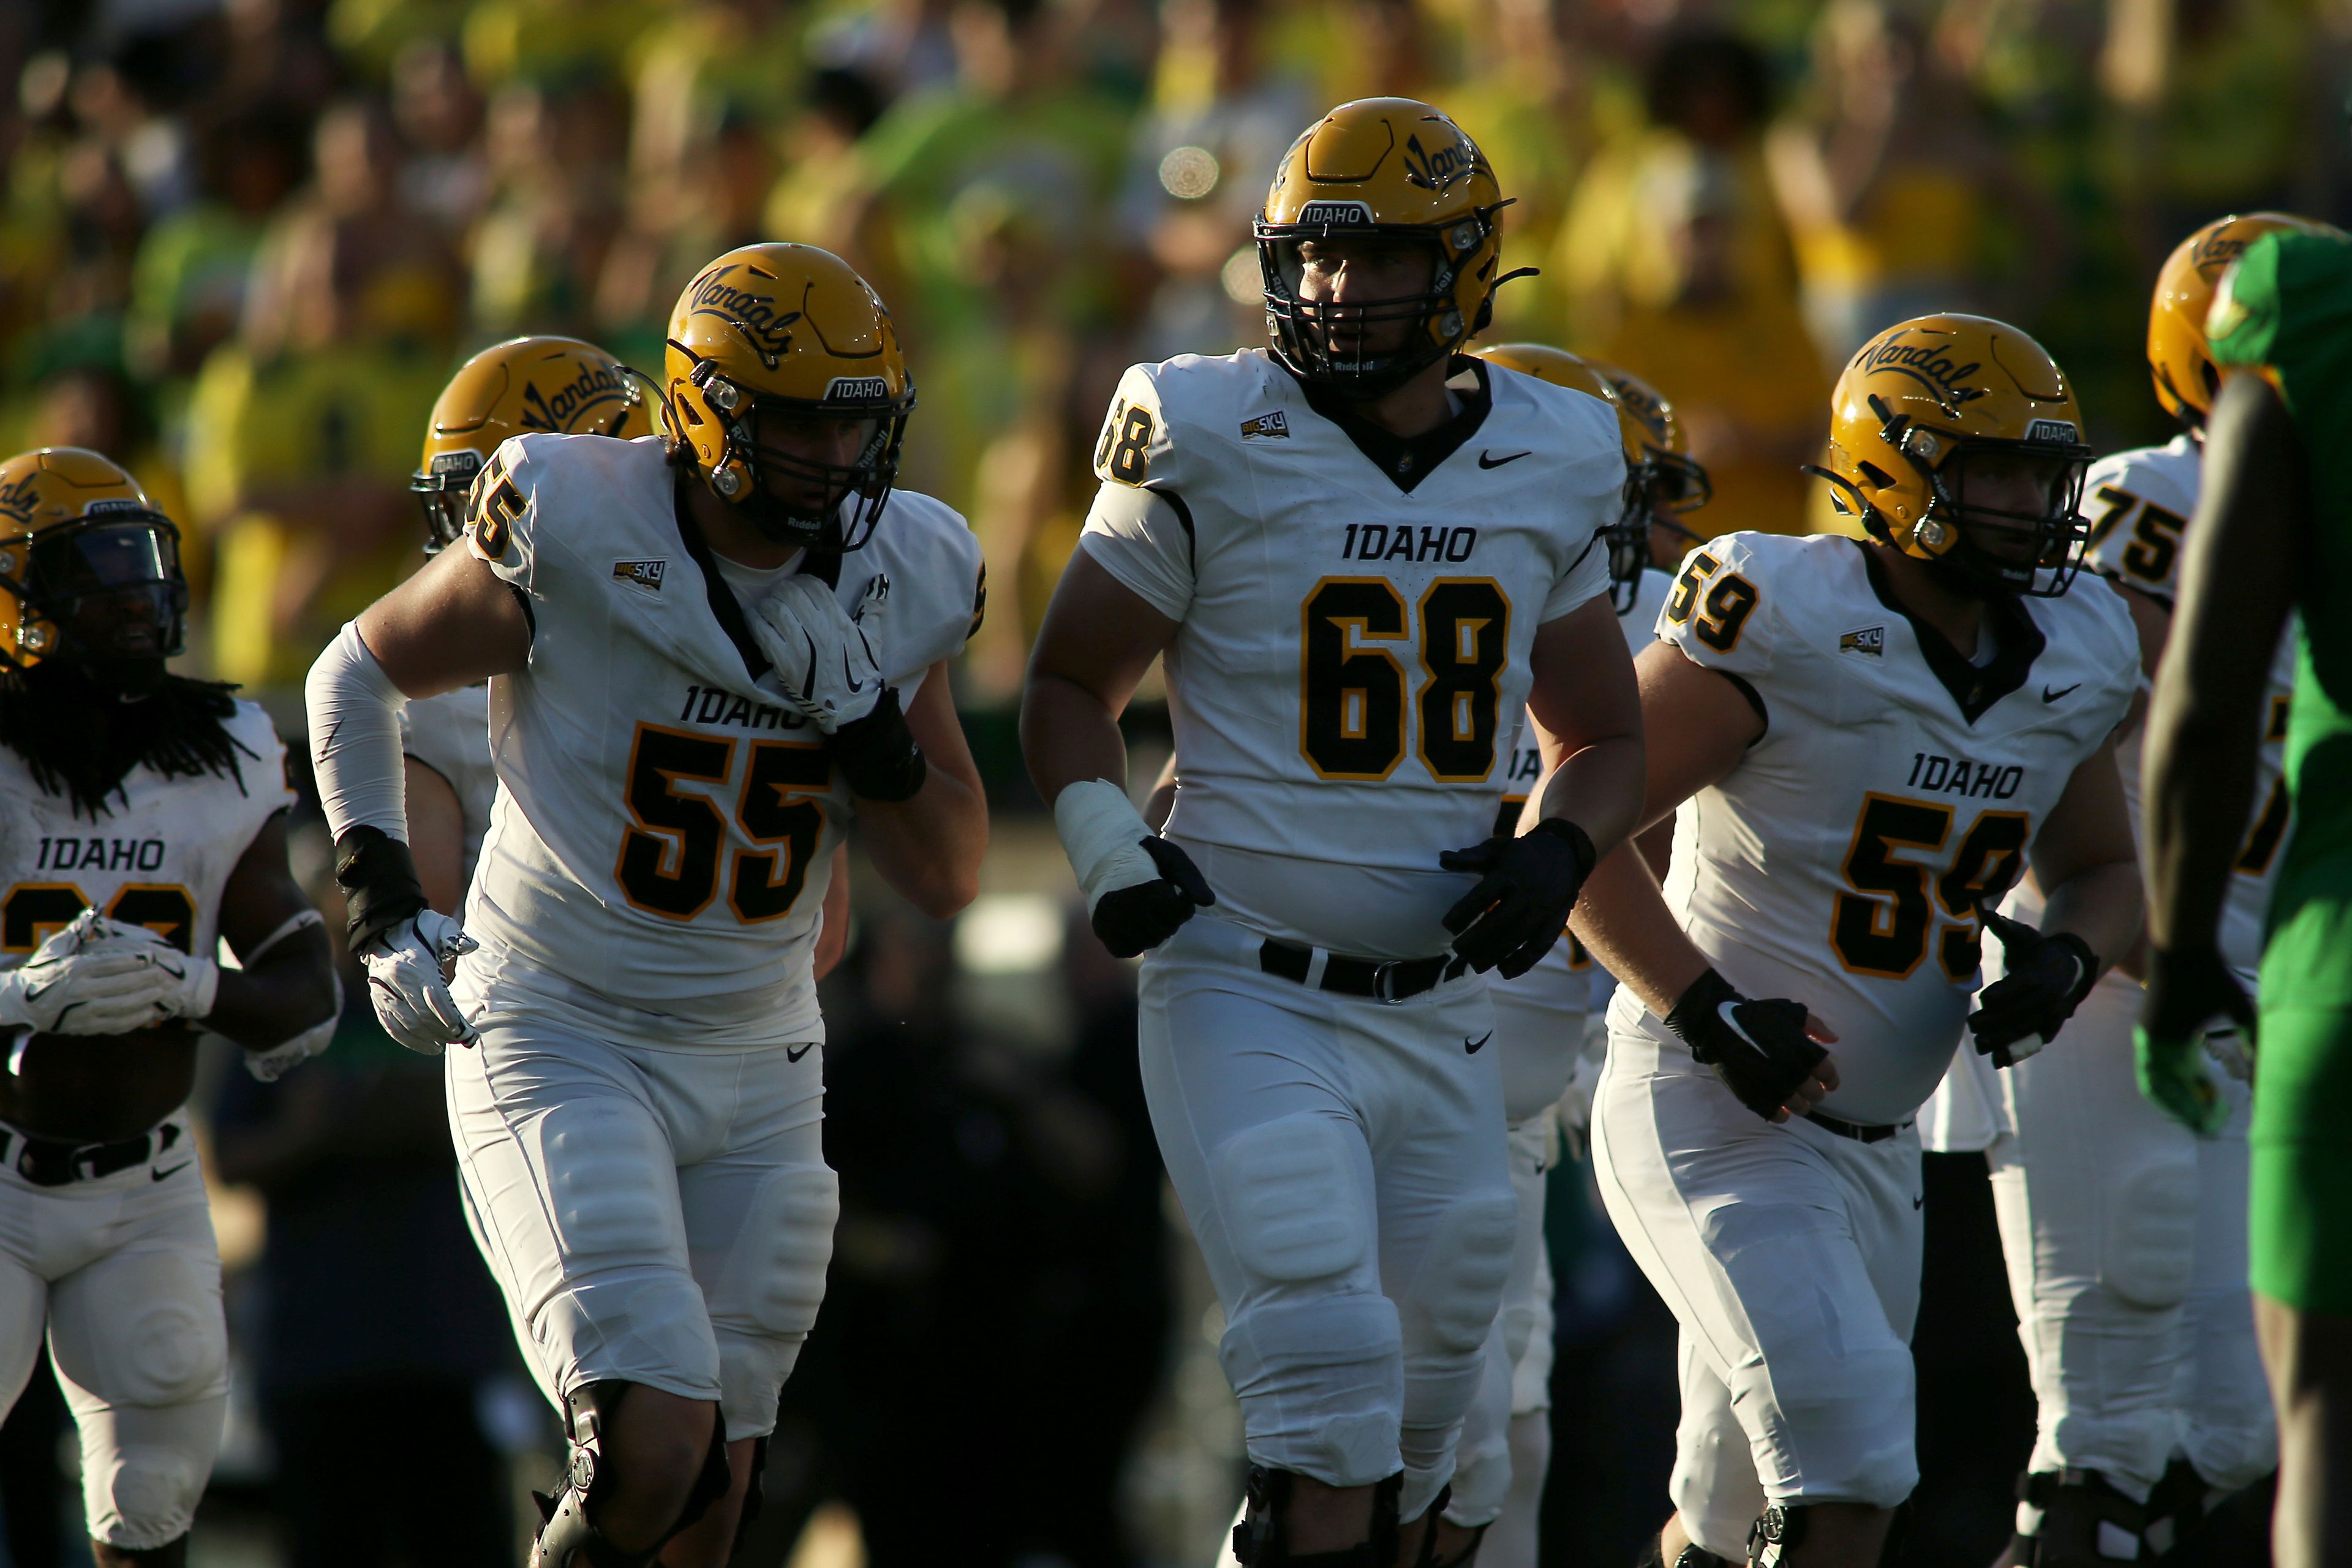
[2048,977]
[2188,990]
[1758,1049]
[1145,914]
[1526,887]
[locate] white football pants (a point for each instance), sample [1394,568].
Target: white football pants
[659,1216]
[1790,1258]
[1505,1440]
[1341,1163]
[122,1274]
[2126,1241]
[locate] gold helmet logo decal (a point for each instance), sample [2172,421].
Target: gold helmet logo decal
[754,316]
[1929,364]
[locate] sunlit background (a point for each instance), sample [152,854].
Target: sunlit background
[244,242]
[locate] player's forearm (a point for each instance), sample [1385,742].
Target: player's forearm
[2100,904]
[2200,770]
[2243,554]
[1068,736]
[290,989]
[1622,921]
[929,847]
[1599,789]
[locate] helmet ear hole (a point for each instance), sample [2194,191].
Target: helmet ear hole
[1879,478]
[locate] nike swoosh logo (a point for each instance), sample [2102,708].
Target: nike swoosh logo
[1722,1011]
[2050,695]
[1470,1047]
[1488,459]
[792,1056]
[165,1175]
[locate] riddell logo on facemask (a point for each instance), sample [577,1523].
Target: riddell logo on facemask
[857,389]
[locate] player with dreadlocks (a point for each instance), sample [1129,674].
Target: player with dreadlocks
[142,823]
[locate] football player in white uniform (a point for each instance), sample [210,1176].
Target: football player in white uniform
[549,383]
[1547,1057]
[2125,1234]
[546,383]
[142,823]
[706,654]
[1867,744]
[1362,556]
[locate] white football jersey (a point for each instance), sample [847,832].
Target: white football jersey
[2140,502]
[1356,621]
[1896,785]
[662,831]
[1565,980]
[159,857]
[451,734]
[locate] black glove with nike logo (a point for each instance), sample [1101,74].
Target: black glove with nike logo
[1526,889]
[1758,1049]
[2048,977]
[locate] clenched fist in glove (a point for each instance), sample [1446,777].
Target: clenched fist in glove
[95,976]
[1139,887]
[823,658]
[1762,1050]
[2188,991]
[408,970]
[2048,977]
[1526,887]
[406,946]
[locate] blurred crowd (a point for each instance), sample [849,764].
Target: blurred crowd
[244,241]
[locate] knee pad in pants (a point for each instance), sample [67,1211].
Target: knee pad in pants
[143,1468]
[1321,1384]
[1482,1454]
[1448,1315]
[761,1314]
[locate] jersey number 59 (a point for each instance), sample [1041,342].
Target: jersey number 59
[1880,927]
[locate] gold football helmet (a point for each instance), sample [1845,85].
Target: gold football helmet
[1389,172]
[2178,359]
[793,335]
[1661,480]
[90,570]
[1929,403]
[1671,480]
[523,385]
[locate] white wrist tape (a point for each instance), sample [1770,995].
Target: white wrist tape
[354,711]
[1103,835]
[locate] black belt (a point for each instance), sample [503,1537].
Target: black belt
[1860,1132]
[1390,981]
[47,1163]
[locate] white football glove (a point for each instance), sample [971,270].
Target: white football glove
[823,660]
[96,976]
[408,982]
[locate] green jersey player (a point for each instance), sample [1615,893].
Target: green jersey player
[2273,533]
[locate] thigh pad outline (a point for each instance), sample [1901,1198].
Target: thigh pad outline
[1293,1206]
